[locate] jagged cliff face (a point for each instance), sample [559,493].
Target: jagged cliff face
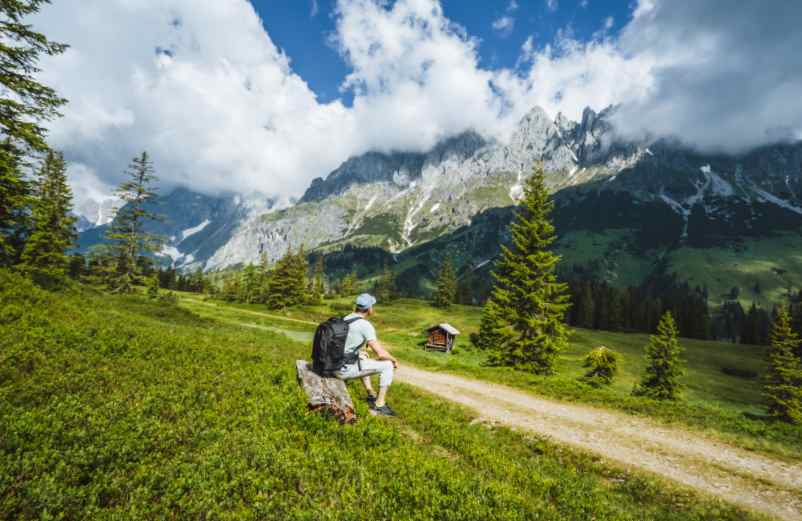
[398,201]
[193,226]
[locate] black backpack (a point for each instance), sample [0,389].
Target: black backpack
[328,347]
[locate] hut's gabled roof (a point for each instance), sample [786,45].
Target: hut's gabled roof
[448,328]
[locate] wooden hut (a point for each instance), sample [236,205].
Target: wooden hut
[441,337]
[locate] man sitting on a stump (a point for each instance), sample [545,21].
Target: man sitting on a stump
[361,333]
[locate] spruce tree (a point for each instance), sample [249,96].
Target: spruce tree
[782,384]
[45,254]
[663,363]
[446,292]
[249,284]
[280,283]
[602,366]
[15,198]
[152,284]
[491,328]
[127,234]
[300,271]
[529,298]
[316,285]
[287,286]
[348,284]
[586,307]
[25,105]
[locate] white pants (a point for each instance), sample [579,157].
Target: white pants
[383,368]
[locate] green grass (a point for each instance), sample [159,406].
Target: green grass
[718,404]
[774,263]
[115,407]
[609,253]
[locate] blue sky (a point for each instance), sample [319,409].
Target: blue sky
[304,32]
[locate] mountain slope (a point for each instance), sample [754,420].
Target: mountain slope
[655,199]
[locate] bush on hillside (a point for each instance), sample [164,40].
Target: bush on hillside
[602,365]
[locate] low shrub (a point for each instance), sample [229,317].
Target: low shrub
[602,364]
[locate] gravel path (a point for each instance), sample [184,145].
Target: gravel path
[740,477]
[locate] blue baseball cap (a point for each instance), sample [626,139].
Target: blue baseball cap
[365,301]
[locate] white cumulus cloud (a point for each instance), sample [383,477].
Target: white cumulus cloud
[202,86]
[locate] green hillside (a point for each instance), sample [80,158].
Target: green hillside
[123,408]
[714,400]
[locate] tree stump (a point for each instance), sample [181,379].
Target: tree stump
[325,394]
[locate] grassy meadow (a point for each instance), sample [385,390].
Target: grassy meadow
[117,407]
[714,400]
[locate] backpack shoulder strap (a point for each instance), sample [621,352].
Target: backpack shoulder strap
[352,320]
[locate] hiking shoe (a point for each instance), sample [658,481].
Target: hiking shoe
[371,402]
[384,410]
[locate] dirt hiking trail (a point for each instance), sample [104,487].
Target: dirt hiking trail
[743,478]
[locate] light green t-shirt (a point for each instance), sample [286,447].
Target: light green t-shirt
[360,332]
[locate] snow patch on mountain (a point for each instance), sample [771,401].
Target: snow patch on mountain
[778,201]
[189,232]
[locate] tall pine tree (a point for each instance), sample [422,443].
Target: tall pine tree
[446,292]
[663,363]
[44,256]
[782,384]
[24,106]
[127,234]
[530,302]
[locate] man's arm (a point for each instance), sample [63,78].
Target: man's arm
[381,352]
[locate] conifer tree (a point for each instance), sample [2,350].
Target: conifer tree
[45,254]
[602,365]
[782,384]
[287,285]
[491,328]
[230,291]
[446,292]
[24,106]
[77,266]
[127,234]
[586,307]
[152,283]
[663,363]
[15,198]
[348,287]
[526,292]
[280,283]
[300,270]
[316,286]
[249,284]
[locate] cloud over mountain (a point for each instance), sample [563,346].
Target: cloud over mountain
[202,86]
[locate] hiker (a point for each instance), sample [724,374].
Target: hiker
[360,334]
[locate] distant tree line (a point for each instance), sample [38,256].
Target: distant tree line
[598,305]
